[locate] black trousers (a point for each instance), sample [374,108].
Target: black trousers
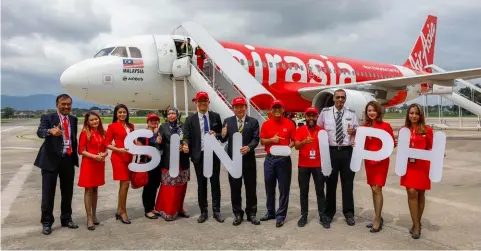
[249,174]
[277,170]
[340,162]
[202,184]
[66,172]
[149,193]
[304,177]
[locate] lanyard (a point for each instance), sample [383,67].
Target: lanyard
[334,113]
[413,135]
[61,120]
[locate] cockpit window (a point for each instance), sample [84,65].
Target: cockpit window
[104,52]
[135,52]
[120,52]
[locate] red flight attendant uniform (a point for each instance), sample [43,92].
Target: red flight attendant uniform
[92,172]
[120,161]
[376,171]
[200,57]
[417,173]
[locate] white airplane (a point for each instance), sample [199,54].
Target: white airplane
[146,72]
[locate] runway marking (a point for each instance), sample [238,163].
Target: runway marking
[12,128]
[431,199]
[11,191]
[20,148]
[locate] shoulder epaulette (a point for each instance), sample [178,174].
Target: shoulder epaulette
[349,109]
[326,108]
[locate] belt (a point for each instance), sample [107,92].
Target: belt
[275,156]
[340,148]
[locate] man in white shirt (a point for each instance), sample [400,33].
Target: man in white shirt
[340,122]
[196,126]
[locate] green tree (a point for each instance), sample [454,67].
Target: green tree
[8,112]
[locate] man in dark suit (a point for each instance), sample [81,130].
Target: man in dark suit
[57,157]
[196,126]
[249,128]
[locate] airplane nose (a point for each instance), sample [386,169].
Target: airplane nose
[74,80]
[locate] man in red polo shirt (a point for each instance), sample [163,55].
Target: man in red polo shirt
[310,163]
[277,130]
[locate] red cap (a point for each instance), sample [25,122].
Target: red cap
[153,116]
[239,101]
[201,94]
[276,102]
[311,110]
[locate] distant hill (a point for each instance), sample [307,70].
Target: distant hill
[40,102]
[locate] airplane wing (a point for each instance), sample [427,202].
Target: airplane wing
[441,78]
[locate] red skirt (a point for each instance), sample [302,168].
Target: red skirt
[170,199]
[376,172]
[92,173]
[417,175]
[120,170]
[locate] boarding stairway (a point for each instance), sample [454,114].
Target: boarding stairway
[223,78]
[464,100]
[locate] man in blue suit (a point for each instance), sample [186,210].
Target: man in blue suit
[57,157]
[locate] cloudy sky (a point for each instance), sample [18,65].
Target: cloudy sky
[40,38]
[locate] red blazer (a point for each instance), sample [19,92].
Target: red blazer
[117,133]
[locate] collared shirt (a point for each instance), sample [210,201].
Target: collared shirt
[242,120]
[201,123]
[327,120]
[61,117]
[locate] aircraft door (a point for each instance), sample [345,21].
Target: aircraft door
[166,53]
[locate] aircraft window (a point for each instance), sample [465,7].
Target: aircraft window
[270,64]
[302,68]
[120,51]
[242,62]
[135,52]
[257,63]
[104,52]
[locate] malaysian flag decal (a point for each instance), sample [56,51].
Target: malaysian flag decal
[133,63]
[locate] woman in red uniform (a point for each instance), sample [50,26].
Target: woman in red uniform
[121,158]
[376,171]
[92,170]
[417,179]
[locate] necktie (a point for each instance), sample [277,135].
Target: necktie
[206,124]
[339,133]
[67,135]
[240,127]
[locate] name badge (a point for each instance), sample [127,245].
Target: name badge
[412,160]
[312,154]
[66,143]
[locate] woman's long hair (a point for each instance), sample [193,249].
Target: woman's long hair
[421,122]
[86,127]
[116,109]
[378,109]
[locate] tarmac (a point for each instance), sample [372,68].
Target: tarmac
[450,221]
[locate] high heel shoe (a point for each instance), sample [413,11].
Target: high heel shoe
[412,228]
[375,230]
[91,228]
[119,217]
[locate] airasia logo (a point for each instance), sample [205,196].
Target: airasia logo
[420,58]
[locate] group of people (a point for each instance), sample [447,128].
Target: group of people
[163,195]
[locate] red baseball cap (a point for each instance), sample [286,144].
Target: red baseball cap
[201,94]
[239,101]
[276,102]
[311,110]
[153,116]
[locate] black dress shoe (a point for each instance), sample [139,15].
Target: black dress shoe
[375,230]
[325,222]
[267,217]
[302,221]
[350,221]
[237,220]
[69,224]
[184,215]
[202,218]
[46,230]
[279,223]
[152,217]
[218,217]
[253,219]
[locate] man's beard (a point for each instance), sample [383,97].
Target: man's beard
[311,123]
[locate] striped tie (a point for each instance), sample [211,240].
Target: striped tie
[339,133]
[240,127]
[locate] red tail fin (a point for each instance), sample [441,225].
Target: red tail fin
[423,51]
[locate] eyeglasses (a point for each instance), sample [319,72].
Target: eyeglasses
[340,97]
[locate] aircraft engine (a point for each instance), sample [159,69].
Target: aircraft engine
[355,100]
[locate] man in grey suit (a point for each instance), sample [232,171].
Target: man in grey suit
[249,128]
